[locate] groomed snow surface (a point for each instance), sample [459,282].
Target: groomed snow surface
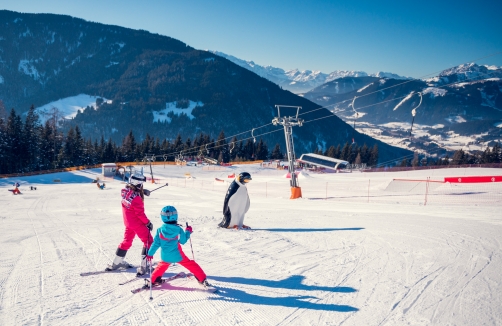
[350,252]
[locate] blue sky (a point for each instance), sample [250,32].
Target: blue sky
[410,38]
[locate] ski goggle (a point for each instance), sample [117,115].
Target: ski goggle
[247,180]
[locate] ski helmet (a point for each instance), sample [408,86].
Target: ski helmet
[244,177]
[169,214]
[137,180]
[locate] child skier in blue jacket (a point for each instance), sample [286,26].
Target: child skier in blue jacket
[169,237]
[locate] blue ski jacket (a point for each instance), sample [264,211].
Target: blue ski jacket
[167,238]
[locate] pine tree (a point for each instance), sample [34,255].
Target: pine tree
[338,151]
[331,152]
[261,150]
[178,144]
[358,159]
[249,151]
[3,147]
[240,152]
[78,150]
[100,151]
[276,153]
[129,148]
[109,154]
[496,154]
[221,148]
[345,155]
[373,156]
[31,138]
[353,151]
[458,157]
[365,153]
[14,144]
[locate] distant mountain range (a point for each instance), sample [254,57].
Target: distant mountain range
[297,81]
[460,108]
[150,84]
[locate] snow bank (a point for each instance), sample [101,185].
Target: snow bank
[68,107]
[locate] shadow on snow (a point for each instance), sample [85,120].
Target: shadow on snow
[293,282]
[309,230]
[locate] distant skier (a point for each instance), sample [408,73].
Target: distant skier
[135,222]
[169,237]
[16,189]
[236,203]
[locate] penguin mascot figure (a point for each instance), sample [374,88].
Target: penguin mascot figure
[236,203]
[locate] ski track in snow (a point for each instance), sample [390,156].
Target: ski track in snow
[340,261]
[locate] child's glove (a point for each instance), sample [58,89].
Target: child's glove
[189,229]
[149,258]
[149,225]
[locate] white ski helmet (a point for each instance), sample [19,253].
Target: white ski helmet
[137,180]
[169,214]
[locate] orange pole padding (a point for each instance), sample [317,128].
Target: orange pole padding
[296,192]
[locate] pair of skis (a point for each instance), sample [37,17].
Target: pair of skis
[146,286]
[107,271]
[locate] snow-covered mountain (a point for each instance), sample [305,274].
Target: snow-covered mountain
[459,108]
[152,84]
[300,81]
[466,72]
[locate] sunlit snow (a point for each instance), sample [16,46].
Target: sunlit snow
[434,91]
[357,249]
[171,107]
[68,107]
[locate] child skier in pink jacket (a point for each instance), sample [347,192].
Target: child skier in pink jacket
[136,224]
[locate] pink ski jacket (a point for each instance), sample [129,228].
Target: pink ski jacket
[133,209]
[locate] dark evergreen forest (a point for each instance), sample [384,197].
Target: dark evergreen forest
[27,146]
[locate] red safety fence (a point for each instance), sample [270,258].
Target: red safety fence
[473,179]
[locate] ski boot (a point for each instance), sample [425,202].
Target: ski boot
[118,262]
[142,269]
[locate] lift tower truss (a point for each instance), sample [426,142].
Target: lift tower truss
[288,122]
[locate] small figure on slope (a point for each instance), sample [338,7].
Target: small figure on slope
[135,222]
[169,237]
[236,203]
[16,189]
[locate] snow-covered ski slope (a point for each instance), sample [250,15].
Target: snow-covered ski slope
[352,259]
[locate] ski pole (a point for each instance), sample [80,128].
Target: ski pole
[193,257]
[150,265]
[148,192]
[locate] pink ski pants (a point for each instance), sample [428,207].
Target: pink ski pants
[191,265]
[142,232]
